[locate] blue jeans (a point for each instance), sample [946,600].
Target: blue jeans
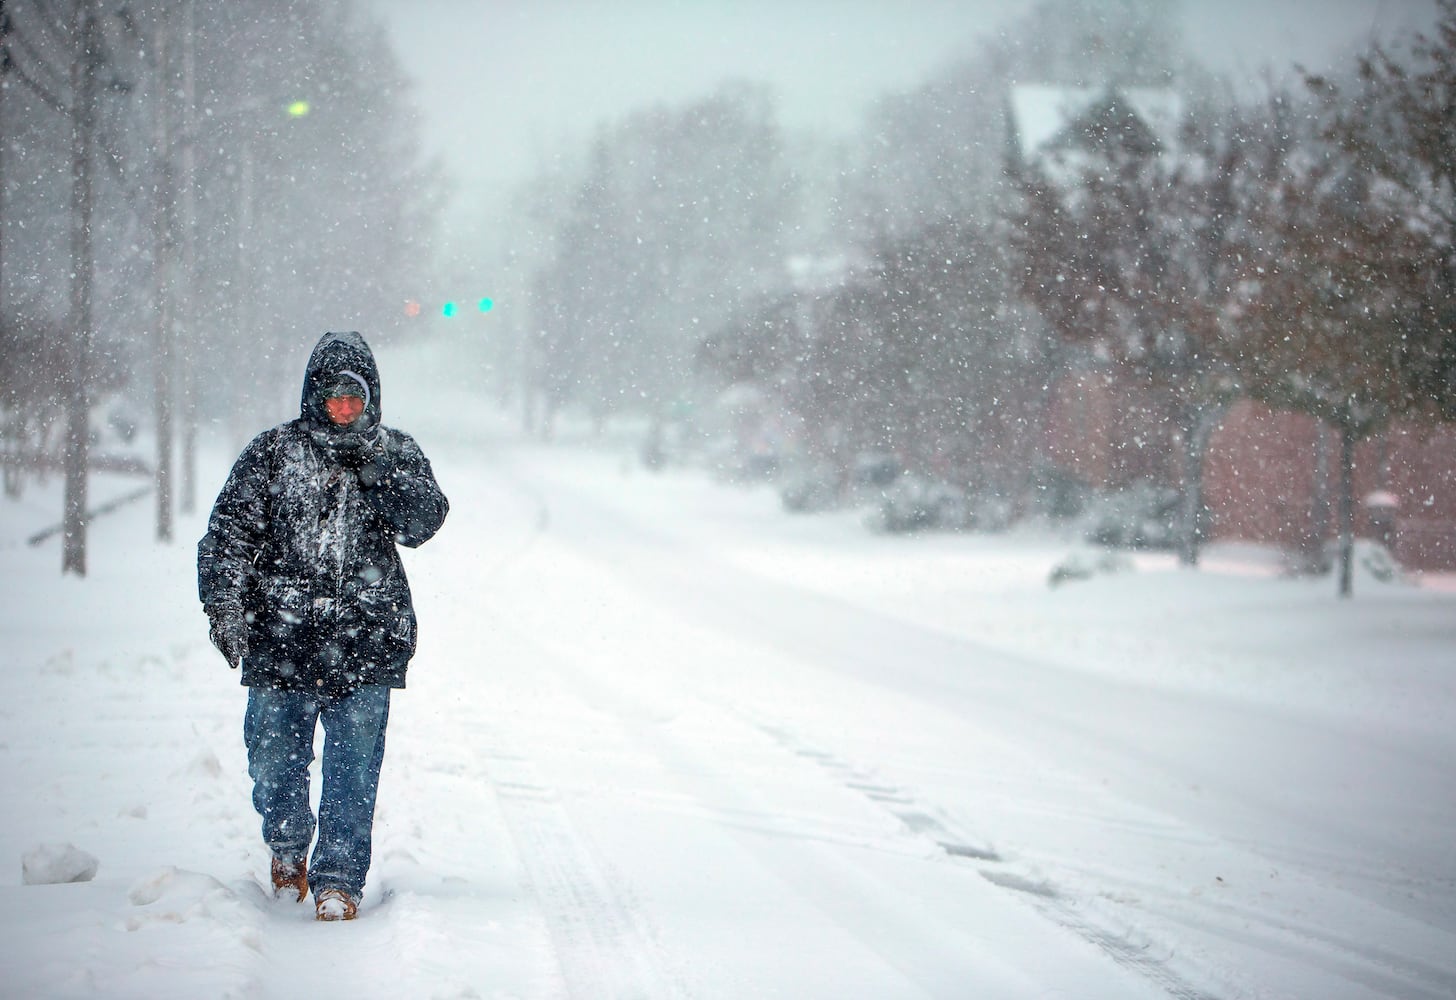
[278,730]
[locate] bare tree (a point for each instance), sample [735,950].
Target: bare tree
[85,31]
[1395,124]
[1332,285]
[925,352]
[677,219]
[301,117]
[1132,254]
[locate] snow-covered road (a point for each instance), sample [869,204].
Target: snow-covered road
[1183,836]
[663,740]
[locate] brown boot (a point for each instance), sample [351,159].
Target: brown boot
[334,904]
[289,877]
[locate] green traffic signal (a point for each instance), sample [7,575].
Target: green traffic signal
[452,308]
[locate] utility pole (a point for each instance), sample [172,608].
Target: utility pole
[164,232]
[4,85]
[84,30]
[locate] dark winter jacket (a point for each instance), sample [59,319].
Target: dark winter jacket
[301,541]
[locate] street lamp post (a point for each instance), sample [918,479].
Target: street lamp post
[165,240]
[181,298]
[174,367]
[186,357]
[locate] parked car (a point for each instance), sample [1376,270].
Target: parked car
[812,489]
[875,468]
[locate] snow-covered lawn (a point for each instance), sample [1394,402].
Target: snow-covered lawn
[664,740]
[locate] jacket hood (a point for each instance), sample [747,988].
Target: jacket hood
[336,356]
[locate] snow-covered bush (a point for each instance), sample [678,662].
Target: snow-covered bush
[811,489]
[1143,516]
[1059,494]
[1377,562]
[913,502]
[1372,561]
[1084,565]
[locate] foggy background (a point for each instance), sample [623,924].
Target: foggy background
[503,87]
[785,238]
[1032,306]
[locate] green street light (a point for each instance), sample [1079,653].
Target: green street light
[298,109]
[450,310]
[486,305]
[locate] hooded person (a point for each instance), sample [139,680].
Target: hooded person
[300,575]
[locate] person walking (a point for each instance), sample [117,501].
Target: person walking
[300,576]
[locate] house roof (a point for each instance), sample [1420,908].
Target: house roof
[1049,118]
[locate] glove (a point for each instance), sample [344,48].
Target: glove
[375,470]
[376,462]
[229,633]
[351,451]
[367,454]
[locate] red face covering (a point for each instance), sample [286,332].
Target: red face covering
[343,410]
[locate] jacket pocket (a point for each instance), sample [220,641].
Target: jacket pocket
[403,632]
[285,605]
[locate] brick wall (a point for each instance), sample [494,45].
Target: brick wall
[1262,473]
[1262,470]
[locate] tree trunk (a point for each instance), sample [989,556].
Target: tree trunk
[83,114]
[1199,424]
[1347,508]
[1319,504]
[187,348]
[4,88]
[164,233]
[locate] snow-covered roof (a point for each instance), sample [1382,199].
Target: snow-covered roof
[1042,114]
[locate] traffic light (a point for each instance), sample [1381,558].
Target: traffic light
[452,308]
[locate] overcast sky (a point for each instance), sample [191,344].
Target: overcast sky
[503,82]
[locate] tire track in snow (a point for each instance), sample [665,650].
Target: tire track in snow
[601,939]
[903,937]
[1384,973]
[1129,944]
[602,942]
[935,957]
[1128,949]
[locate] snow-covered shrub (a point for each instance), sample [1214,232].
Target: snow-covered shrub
[1084,565]
[913,503]
[1059,494]
[1143,516]
[1377,562]
[811,489]
[990,512]
[1372,561]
